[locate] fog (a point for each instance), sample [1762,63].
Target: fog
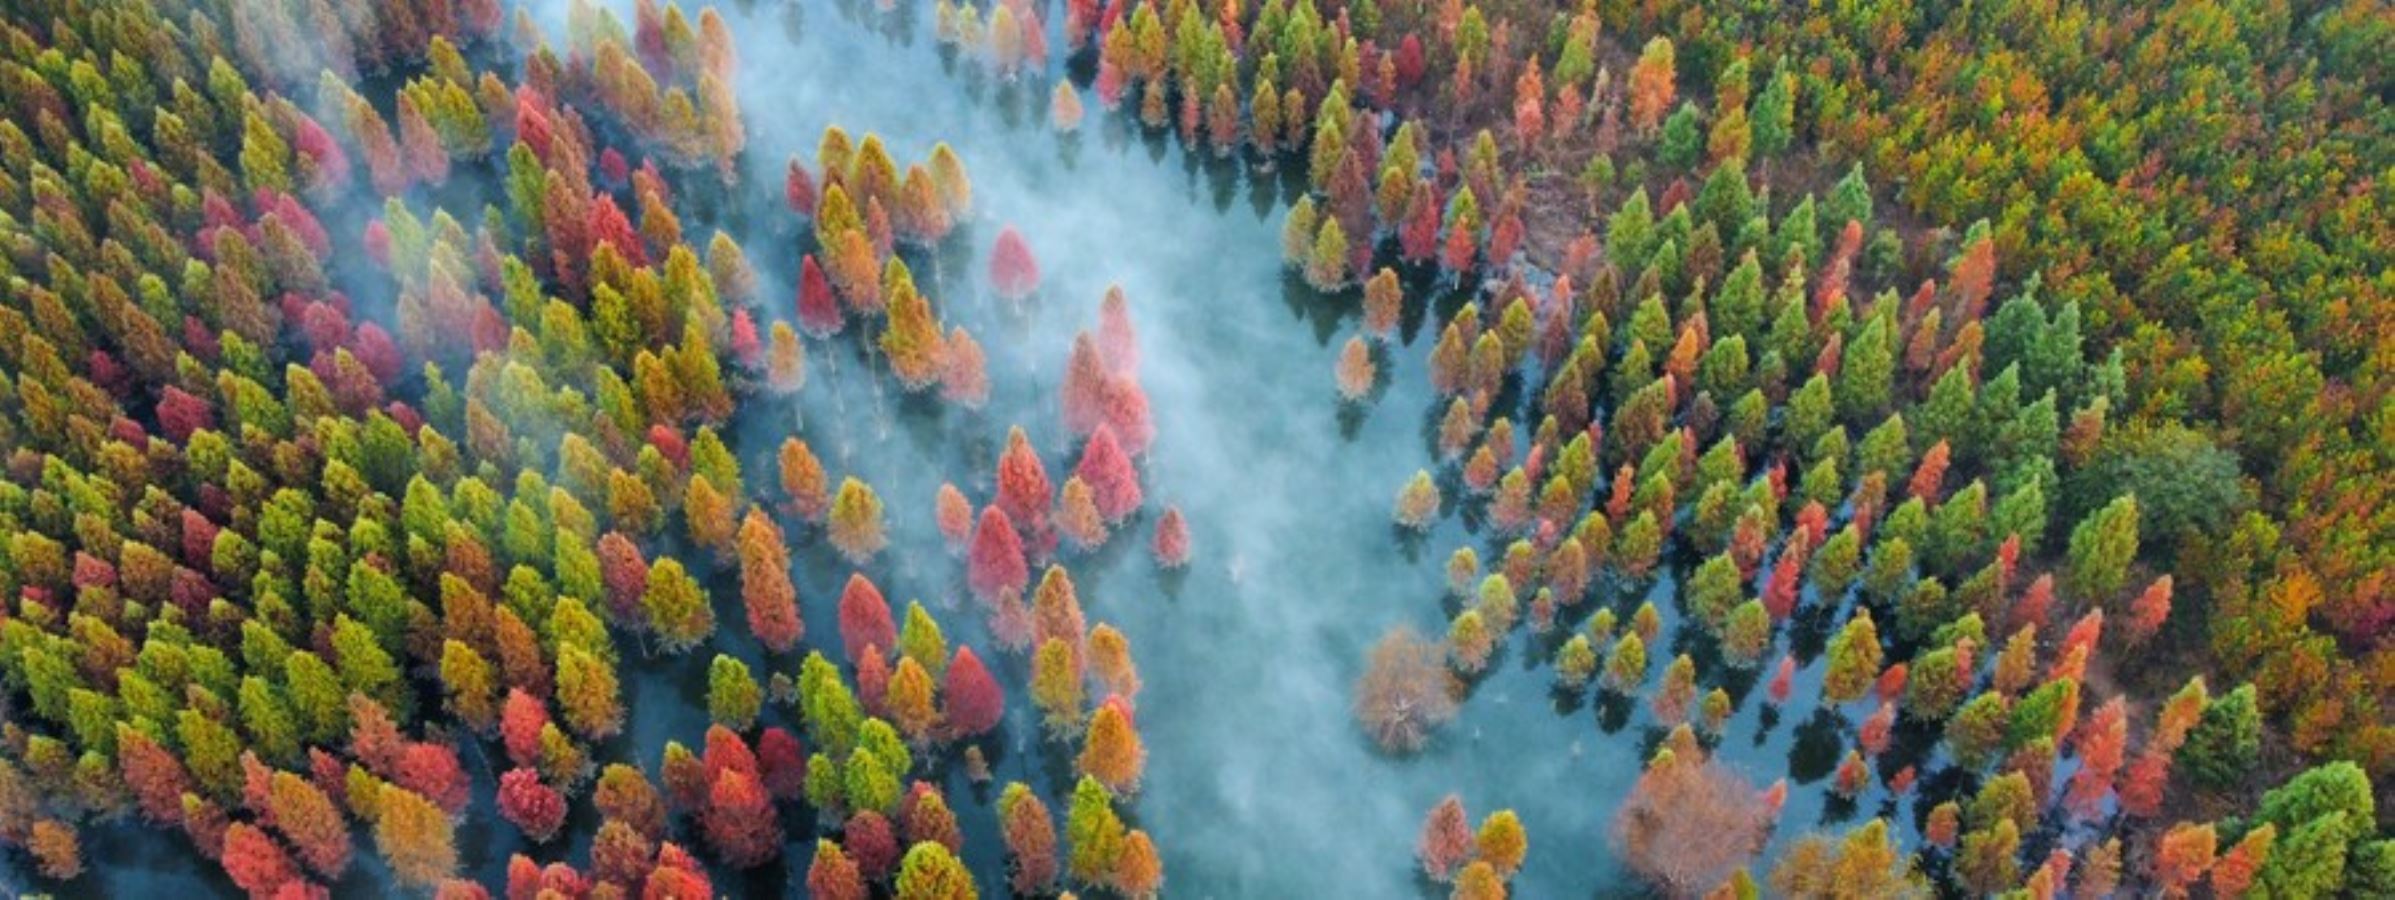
[1258,783]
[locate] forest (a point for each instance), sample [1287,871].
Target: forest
[936,449]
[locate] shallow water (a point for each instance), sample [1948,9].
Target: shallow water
[1258,781]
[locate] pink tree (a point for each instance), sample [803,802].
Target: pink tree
[1110,476]
[1014,274]
[995,565]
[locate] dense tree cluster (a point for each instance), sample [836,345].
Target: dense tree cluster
[286,527]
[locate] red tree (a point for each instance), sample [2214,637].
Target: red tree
[1172,539]
[873,682]
[798,189]
[1783,679]
[2150,610]
[819,312]
[154,776]
[2102,742]
[677,875]
[1929,476]
[781,763]
[625,575]
[1446,842]
[432,770]
[255,862]
[924,816]
[180,414]
[975,701]
[865,618]
[1030,836]
[1014,274]
[833,876]
[954,514]
[1125,409]
[521,717]
[1110,475]
[532,806]
[995,565]
[740,822]
[871,841]
[1025,494]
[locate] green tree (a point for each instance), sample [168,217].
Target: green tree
[2102,546]
[677,607]
[1094,831]
[733,699]
[2226,742]
[1683,138]
[1854,659]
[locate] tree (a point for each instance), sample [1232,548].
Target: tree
[781,763]
[1111,751]
[2181,856]
[1095,833]
[2182,480]
[1024,493]
[1064,108]
[2150,610]
[931,872]
[912,341]
[253,860]
[1326,262]
[2226,742]
[2234,871]
[995,565]
[1171,545]
[870,841]
[414,835]
[1404,693]
[865,618]
[833,876]
[966,381]
[678,609]
[910,702]
[975,702]
[1013,273]
[1355,370]
[1056,685]
[1682,135]
[819,313]
[856,522]
[1030,838]
[1854,655]
[1651,87]
[2101,549]
[733,699]
[739,820]
[2102,743]
[1139,870]
[1478,881]
[1446,842]
[1418,503]
[765,589]
[1501,842]
[1986,863]
[1864,863]
[1077,515]
[534,807]
[1113,482]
